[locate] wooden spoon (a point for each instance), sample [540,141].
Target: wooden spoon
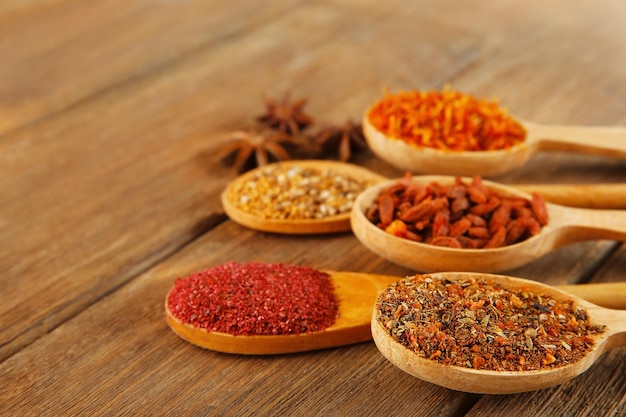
[597,196]
[566,225]
[356,294]
[331,224]
[504,382]
[579,195]
[605,141]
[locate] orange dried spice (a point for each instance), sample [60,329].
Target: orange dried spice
[447,120]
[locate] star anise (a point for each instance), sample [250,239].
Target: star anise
[285,116]
[343,139]
[255,148]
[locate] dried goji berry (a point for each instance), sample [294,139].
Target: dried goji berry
[539,208]
[500,217]
[386,208]
[457,215]
[498,239]
[446,241]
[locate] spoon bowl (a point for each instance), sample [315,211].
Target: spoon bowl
[504,382]
[605,141]
[329,224]
[566,225]
[356,295]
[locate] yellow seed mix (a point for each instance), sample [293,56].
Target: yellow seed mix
[294,192]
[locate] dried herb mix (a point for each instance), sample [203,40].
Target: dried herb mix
[475,323]
[447,120]
[255,299]
[296,193]
[459,215]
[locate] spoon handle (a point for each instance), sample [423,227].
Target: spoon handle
[615,320]
[606,294]
[605,141]
[587,224]
[598,196]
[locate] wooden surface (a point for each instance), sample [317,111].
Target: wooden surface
[111,112]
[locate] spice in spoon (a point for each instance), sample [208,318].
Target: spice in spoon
[296,193]
[255,299]
[447,120]
[476,323]
[462,215]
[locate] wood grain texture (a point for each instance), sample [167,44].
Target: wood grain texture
[110,115]
[82,50]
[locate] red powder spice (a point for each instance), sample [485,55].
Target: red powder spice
[446,120]
[255,299]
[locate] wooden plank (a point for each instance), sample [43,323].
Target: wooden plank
[9,9]
[57,54]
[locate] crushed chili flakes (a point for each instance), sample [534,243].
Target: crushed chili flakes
[447,120]
[255,299]
[476,323]
[464,214]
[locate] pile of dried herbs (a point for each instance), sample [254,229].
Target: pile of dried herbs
[475,323]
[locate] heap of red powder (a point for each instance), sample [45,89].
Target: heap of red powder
[255,299]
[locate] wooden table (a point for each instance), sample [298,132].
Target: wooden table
[111,112]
